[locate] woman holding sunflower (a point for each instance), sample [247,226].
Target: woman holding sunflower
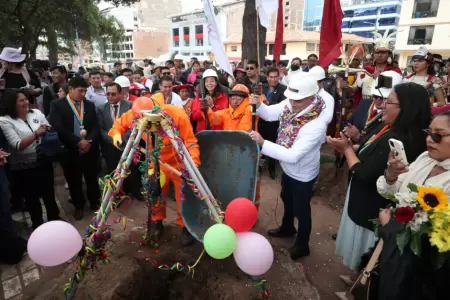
[406,112]
[404,275]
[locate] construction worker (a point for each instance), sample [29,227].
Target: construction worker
[168,155]
[238,116]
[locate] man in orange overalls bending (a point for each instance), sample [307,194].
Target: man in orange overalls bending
[238,116]
[168,155]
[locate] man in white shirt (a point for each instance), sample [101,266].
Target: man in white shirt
[96,92]
[165,87]
[294,72]
[303,123]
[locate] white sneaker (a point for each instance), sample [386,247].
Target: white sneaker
[66,186]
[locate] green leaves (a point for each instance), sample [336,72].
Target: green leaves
[403,239]
[412,187]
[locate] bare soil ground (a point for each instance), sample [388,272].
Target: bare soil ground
[130,276]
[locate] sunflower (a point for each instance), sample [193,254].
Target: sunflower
[431,198]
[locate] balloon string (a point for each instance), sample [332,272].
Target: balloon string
[191,269]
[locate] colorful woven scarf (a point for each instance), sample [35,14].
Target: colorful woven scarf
[290,124]
[374,137]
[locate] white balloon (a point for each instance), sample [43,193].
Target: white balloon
[253,253]
[54,243]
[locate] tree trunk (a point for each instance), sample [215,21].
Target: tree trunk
[249,32]
[52,45]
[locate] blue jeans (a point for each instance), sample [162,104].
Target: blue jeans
[296,196]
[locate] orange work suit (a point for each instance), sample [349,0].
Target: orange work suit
[167,153]
[237,119]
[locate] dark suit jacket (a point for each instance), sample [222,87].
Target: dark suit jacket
[106,122]
[61,118]
[269,130]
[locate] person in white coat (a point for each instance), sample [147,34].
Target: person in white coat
[303,123]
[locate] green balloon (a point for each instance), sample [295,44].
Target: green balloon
[219,241]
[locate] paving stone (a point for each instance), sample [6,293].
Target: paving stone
[30,276]
[26,264]
[8,271]
[11,287]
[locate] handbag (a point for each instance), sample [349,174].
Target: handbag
[50,145]
[363,289]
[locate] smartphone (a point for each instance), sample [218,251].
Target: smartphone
[384,82]
[398,149]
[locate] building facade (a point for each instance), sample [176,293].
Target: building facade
[423,23]
[364,17]
[312,19]
[189,31]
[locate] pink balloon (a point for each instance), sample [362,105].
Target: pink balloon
[54,243]
[253,253]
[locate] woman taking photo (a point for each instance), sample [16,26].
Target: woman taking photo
[406,112]
[23,128]
[403,276]
[424,74]
[217,100]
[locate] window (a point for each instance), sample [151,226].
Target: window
[283,49]
[390,9]
[175,32]
[234,48]
[310,47]
[287,3]
[186,36]
[387,21]
[363,23]
[197,53]
[425,8]
[365,12]
[198,35]
[349,13]
[176,43]
[186,54]
[420,35]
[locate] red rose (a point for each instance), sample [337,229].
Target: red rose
[362,76]
[404,214]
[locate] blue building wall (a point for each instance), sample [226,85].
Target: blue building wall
[312,15]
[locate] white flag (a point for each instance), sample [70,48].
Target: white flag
[214,38]
[266,8]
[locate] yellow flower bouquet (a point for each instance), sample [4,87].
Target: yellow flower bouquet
[424,212]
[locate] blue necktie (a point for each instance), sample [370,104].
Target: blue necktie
[116,108]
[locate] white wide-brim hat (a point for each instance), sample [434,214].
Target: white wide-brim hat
[301,86]
[12,55]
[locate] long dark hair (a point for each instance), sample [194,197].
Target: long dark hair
[415,113]
[9,103]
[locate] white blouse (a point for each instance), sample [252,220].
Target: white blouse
[17,129]
[418,174]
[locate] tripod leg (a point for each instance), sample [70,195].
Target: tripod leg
[193,171]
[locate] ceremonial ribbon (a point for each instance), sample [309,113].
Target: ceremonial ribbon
[79,114]
[374,137]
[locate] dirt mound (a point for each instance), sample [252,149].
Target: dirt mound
[130,276]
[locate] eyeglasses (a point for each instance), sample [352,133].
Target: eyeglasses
[388,102]
[377,98]
[167,73]
[436,137]
[250,68]
[111,94]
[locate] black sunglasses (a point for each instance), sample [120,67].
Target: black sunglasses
[111,94]
[250,68]
[167,73]
[436,137]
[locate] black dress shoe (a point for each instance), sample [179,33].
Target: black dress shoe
[186,238]
[78,214]
[281,232]
[157,230]
[298,252]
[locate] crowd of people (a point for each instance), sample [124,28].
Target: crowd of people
[299,107]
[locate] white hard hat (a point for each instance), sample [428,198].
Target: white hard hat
[384,92]
[210,73]
[123,81]
[178,57]
[318,72]
[140,64]
[301,86]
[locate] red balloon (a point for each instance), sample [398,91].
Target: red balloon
[241,215]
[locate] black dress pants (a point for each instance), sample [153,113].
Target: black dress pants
[296,196]
[37,182]
[76,166]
